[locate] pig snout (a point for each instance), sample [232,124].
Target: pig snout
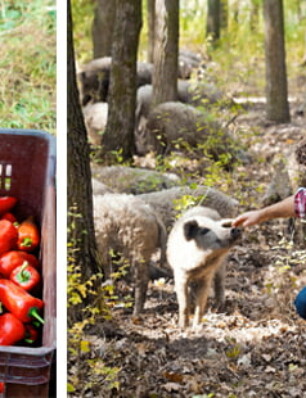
[235,233]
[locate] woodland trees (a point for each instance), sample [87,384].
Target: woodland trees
[162,51]
[213,19]
[166,38]
[276,75]
[80,212]
[122,97]
[102,27]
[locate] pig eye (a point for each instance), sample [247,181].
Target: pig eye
[204,231]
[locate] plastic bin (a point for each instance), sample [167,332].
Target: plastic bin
[27,171]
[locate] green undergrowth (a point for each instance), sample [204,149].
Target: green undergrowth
[28,67]
[88,307]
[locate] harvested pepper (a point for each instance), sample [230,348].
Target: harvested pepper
[19,302]
[13,259]
[25,276]
[9,216]
[7,203]
[31,334]
[8,236]
[28,235]
[2,387]
[11,329]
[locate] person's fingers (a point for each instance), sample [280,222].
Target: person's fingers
[238,221]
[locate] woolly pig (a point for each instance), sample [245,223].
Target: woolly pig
[196,250]
[94,78]
[171,123]
[165,202]
[98,188]
[130,227]
[132,179]
[95,117]
[188,93]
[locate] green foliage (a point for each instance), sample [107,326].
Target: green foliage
[88,370]
[28,70]
[82,16]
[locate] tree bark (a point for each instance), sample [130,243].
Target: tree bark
[276,74]
[102,28]
[151,29]
[213,20]
[119,132]
[81,227]
[165,72]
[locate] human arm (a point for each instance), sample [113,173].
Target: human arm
[282,209]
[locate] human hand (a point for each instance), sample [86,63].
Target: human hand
[248,219]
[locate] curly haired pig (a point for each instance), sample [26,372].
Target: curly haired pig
[130,227]
[165,202]
[196,250]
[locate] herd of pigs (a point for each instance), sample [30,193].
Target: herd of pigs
[159,129]
[135,210]
[149,231]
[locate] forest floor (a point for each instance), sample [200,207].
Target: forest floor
[257,347]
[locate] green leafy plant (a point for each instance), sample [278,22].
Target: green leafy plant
[86,370]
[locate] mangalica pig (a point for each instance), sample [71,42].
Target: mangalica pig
[197,247]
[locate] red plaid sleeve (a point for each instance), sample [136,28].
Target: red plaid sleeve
[300,203]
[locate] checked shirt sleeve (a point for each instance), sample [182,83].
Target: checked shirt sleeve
[300,203]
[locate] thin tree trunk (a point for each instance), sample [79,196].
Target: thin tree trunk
[119,132]
[151,29]
[276,74]
[213,20]
[81,228]
[166,51]
[102,28]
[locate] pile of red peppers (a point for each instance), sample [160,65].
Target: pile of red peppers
[20,279]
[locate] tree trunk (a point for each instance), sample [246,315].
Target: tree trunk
[276,75]
[79,176]
[213,20]
[151,29]
[102,28]
[119,132]
[165,72]
[235,11]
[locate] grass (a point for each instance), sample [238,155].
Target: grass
[28,67]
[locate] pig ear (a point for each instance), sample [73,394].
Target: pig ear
[226,222]
[190,229]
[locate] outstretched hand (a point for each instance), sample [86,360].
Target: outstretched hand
[248,219]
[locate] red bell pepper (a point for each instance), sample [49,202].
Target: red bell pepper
[19,302]
[31,335]
[9,216]
[8,236]
[7,203]
[13,259]
[25,276]
[11,329]
[2,387]
[28,235]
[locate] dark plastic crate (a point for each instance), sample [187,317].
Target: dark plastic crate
[27,171]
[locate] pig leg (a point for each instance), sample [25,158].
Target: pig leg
[202,292]
[141,286]
[181,288]
[219,288]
